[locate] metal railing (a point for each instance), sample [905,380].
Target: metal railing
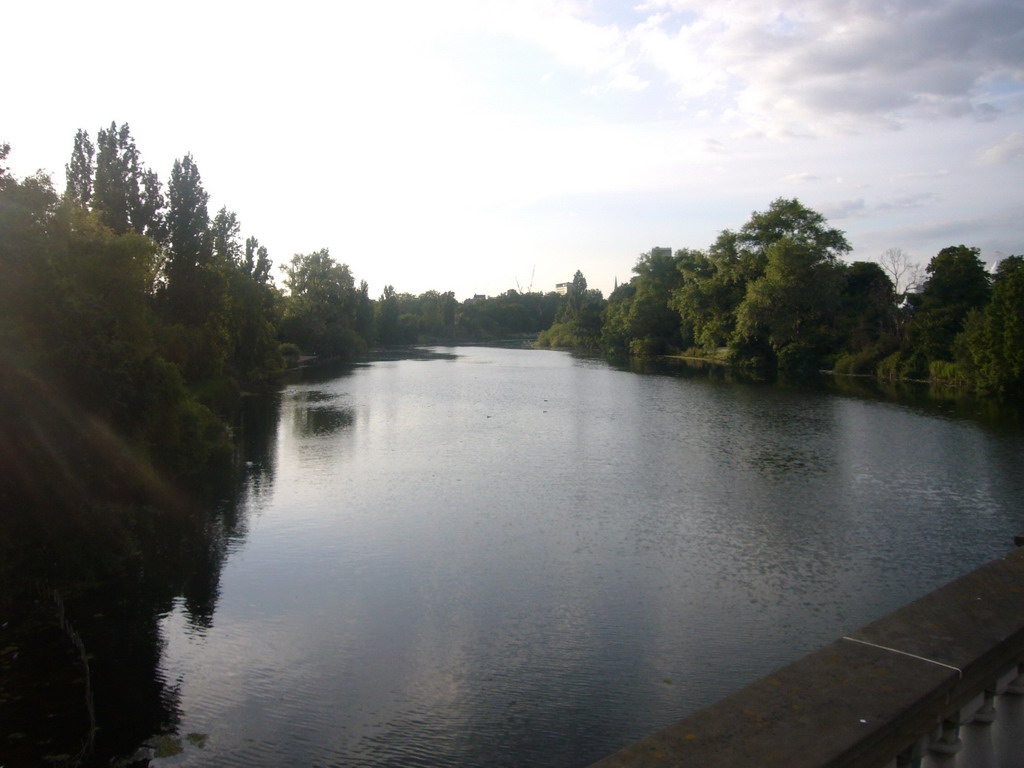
[938,683]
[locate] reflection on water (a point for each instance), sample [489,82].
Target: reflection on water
[518,557]
[319,414]
[117,568]
[497,557]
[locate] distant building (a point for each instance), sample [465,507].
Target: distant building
[562,288]
[661,252]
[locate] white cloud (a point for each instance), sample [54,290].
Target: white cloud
[800,178]
[714,146]
[919,175]
[906,201]
[826,66]
[844,209]
[411,137]
[1009,150]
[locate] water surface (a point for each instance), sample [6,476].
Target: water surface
[498,557]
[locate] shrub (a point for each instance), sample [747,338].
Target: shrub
[858,363]
[946,372]
[645,347]
[798,357]
[291,353]
[888,368]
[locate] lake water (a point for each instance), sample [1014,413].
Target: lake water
[498,557]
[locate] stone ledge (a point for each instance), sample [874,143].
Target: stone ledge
[861,700]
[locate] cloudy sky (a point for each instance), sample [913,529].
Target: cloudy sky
[473,145]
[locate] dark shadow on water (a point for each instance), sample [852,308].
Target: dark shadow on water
[320,421]
[84,582]
[328,370]
[934,399]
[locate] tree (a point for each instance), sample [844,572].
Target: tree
[250,301]
[957,283]
[76,322]
[792,305]
[904,273]
[869,309]
[194,299]
[739,293]
[365,325]
[640,320]
[28,212]
[509,314]
[125,194]
[105,330]
[746,251]
[148,217]
[79,170]
[387,313]
[578,322]
[616,333]
[320,310]
[436,315]
[188,292]
[706,300]
[116,189]
[992,343]
[257,261]
[225,231]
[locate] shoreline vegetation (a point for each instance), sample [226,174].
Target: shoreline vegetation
[775,296]
[133,324]
[134,304]
[154,316]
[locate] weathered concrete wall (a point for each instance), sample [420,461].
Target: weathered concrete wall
[864,699]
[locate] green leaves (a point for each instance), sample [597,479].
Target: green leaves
[992,344]
[321,308]
[79,170]
[957,283]
[639,317]
[774,283]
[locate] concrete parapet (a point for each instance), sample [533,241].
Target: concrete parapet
[898,684]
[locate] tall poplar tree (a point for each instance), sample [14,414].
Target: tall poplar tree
[79,170]
[257,261]
[116,188]
[190,242]
[148,216]
[250,301]
[126,195]
[194,299]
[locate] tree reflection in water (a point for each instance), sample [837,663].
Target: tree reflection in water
[91,537]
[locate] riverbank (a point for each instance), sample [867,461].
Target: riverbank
[373,571]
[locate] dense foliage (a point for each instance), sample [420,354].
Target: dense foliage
[577,323]
[132,321]
[776,295]
[138,307]
[130,303]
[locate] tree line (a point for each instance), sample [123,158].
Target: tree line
[153,314]
[775,294]
[132,320]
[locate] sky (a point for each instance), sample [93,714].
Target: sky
[483,145]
